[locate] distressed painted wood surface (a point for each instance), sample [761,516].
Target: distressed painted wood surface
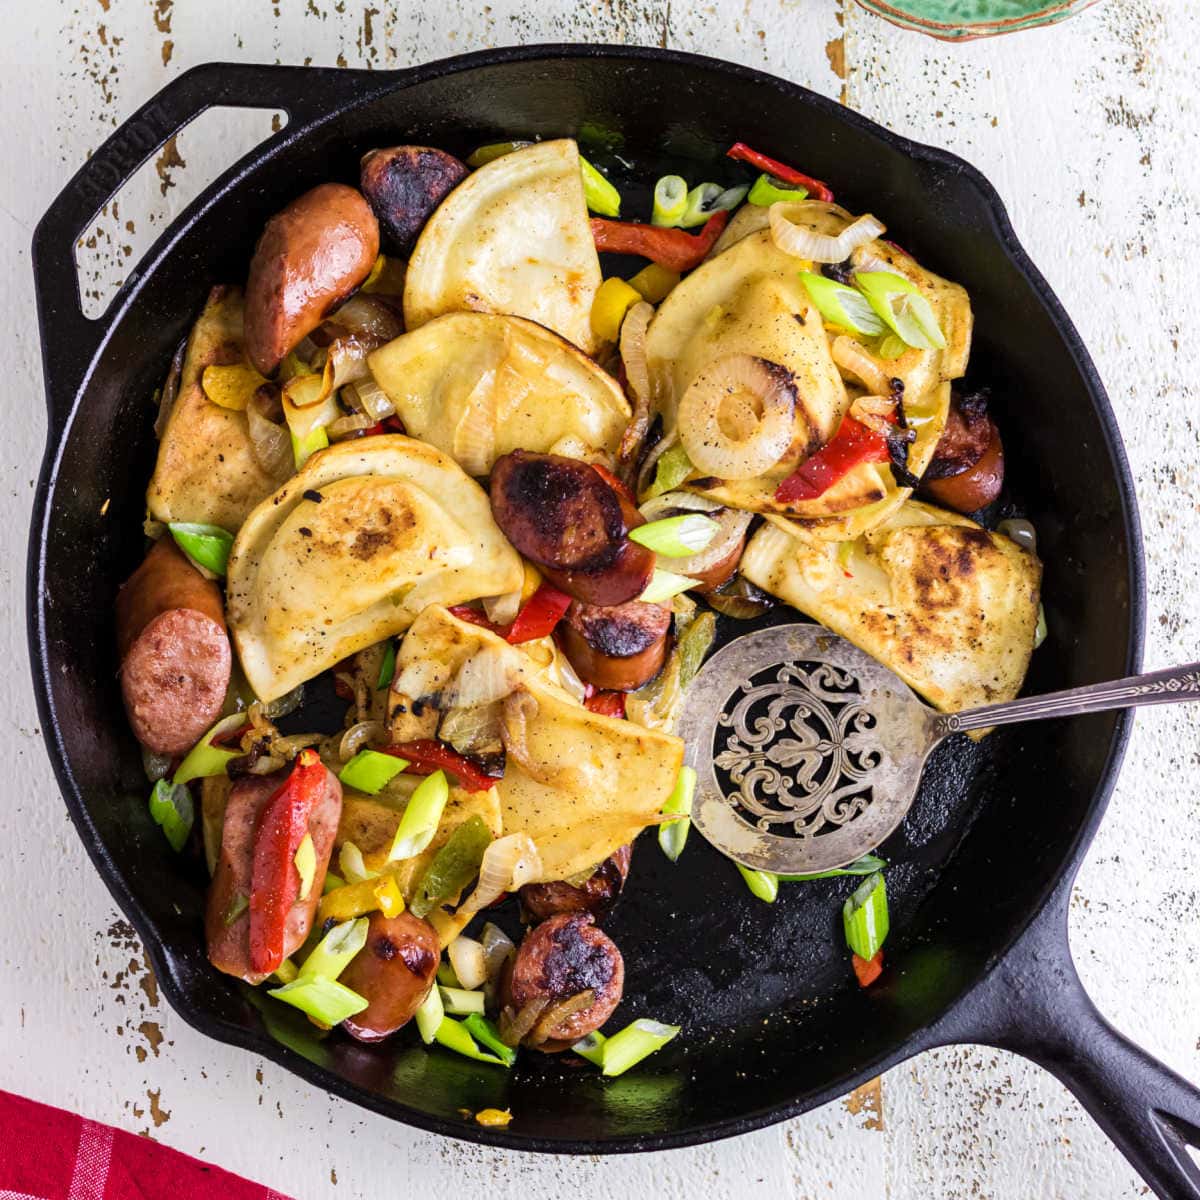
[1089,130]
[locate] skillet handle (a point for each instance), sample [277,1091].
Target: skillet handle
[70,339]
[1034,1004]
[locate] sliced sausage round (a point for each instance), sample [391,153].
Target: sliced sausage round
[403,185]
[967,471]
[227,914]
[310,257]
[596,895]
[393,972]
[977,486]
[616,648]
[173,648]
[560,958]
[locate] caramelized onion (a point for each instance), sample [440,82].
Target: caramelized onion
[637,378]
[725,433]
[515,1025]
[270,442]
[363,733]
[369,398]
[852,356]
[792,236]
[519,708]
[369,316]
[508,864]
[557,1013]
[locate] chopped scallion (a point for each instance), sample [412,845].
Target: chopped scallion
[306,864]
[353,867]
[672,468]
[672,835]
[676,537]
[304,448]
[494,150]
[172,809]
[891,347]
[205,759]
[459,1002]
[762,883]
[665,584]
[488,1036]
[635,1042]
[865,917]
[670,200]
[206,545]
[430,1015]
[420,820]
[768,190]
[332,954]
[324,1000]
[369,771]
[706,199]
[867,865]
[238,905]
[387,668]
[599,194]
[591,1047]
[446,976]
[841,305]
[902,308]
[455,1036]
[286,971]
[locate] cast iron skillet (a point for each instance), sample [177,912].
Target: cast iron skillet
[774,1024]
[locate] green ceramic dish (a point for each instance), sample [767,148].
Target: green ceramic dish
[961,20]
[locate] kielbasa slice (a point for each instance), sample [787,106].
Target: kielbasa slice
[403,185]
[174,650]
[227,919]
[967,471]
[393,972]
[616,648]
[596,895]
[310,257]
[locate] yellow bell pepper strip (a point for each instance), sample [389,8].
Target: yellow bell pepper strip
[388,896]
[654,283]
[349,901]
[231,385]
[614,298]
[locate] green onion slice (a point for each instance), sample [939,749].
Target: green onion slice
[694,644]
[762,883]
[707,198]
[430,1015]
[324,1000]
[635,1042]
[768,190]
[206,545]
[306,864]
[672,835]
[421,817]
[459,1002]
[891,347]
[492,151]
[867,865]
[205,759]
[352,864]
[598,192]
[591,1048]
[286,971]
[387,668]
[670,199]
[672,468]
[453,867]
[332,954]
[455,1036]
[865,916]
[484,1032]
[841,305]
[665,584]
[369,771]
[902,308]
[1039,634]
[172,810]
[676,537]
[446,976]
[304,448]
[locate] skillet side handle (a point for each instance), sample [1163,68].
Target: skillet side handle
[1034,1004]
[70,339]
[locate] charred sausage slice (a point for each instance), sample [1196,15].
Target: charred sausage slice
[393,972]
[310,257]
[560,958]
[174,651]
[227,918]
[403,185]
[967,471]
[597,895]
[616,648]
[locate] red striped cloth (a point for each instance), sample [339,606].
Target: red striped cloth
[49,1154]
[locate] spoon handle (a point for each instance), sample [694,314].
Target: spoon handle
[1172,686]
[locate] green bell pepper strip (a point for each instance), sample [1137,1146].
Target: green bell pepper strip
[672,468]
[453,867]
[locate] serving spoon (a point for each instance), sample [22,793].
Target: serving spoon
[808,752]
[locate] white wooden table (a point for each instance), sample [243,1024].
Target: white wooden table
[1089,132]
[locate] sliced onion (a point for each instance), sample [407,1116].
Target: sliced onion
[469,961]
[792,237]
[1021,531]
[489,674]
[270,442]
[873,412]
[369,398]
[852,356]
[497,947]
[508,864]
[646,471]
[156,766]
[515,1025]
[345,362]
[472,730]
[354,869]
[347,426]
[502,610]
[637,378]
[568,678]
[369,315]
[725,434]
[474,443]
[364,733]
[557,1013]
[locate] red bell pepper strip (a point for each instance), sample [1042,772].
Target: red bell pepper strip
[853,443]
[539,615]
[815,188]
[607,704]
[476,616]
[675,249]
[275,882]
[868,969]
[427,755]
[617,485]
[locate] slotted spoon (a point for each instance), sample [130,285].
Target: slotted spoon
[808,752]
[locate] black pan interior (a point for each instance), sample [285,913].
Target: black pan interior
[773,1020]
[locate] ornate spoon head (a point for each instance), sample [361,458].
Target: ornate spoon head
[807,752]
